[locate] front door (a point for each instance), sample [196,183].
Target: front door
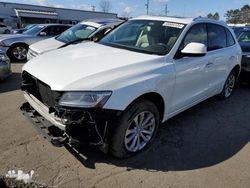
[191,72]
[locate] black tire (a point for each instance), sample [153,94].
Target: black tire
[117,144]
[229,85]
[11,52]
[7,31]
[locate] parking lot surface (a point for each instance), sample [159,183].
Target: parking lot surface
[206,146]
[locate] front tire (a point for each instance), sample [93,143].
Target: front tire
[18,52]
[229,85]
[135,129]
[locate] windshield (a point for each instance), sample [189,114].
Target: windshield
[77,32]
[244,36]
[152,37]
[34,30]
[30,26]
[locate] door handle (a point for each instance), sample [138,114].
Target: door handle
[208,65]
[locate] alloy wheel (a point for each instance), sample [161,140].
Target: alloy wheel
[140,131]
[20,53]
[230,85]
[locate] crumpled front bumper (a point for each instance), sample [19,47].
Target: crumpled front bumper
[43,110]
[90,126]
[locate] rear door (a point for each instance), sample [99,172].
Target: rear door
[219,56]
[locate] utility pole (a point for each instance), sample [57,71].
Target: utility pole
[93,8]
[147,6]
[166,9]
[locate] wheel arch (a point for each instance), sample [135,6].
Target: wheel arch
[155,98]
[237,69]
[17,43]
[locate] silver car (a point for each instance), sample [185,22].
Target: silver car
[5,68]
[16,46]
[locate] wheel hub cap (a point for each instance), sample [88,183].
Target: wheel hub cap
[20,53]
[140,131]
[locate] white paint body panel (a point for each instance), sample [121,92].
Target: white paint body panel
[46,45]
[182,83]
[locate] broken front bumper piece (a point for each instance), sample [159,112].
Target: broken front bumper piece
[61,125]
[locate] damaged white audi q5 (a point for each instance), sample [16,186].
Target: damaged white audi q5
[114,93]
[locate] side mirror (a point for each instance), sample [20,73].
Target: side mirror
[43,34]
[194,49]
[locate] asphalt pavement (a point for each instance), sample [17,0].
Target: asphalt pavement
[205,146]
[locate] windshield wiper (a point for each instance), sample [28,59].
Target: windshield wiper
[75,41]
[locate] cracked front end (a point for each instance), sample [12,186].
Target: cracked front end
[77,115]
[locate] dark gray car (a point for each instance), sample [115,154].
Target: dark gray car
[16,46]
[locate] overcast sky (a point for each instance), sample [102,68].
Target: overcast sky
[187,8]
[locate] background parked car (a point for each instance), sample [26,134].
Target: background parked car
[5,29]
[94,28]
[5,68]
[239,29]
[244,40]
[16,46]
[20,31]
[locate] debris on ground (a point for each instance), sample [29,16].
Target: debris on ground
[19,179]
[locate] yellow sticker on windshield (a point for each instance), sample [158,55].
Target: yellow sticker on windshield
[171,24]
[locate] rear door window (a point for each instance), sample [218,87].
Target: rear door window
[216,37]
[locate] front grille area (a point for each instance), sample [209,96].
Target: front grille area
[40,90]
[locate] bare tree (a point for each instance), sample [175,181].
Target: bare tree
[105,5]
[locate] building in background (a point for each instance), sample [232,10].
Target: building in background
[15,14]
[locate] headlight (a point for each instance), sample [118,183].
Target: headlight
[4,59]
[85,99]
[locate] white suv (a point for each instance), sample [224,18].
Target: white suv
[116,92]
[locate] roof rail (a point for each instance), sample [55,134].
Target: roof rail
[202,18]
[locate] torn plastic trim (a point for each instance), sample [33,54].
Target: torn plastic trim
[91,126]
[43,110]
[94,124]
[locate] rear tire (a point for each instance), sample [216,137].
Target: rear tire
[229,85]
[135,129]
[18,52]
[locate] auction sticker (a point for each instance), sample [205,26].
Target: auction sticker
[171,24]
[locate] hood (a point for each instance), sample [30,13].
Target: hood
[245,46]
[46,45]
[89,66]
[14,36]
